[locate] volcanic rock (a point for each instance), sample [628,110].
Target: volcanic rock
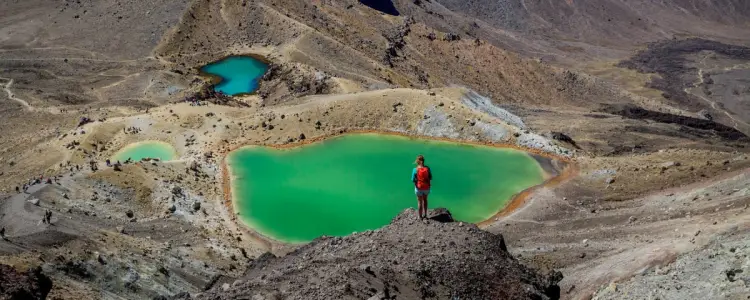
[408,259]
[31,284]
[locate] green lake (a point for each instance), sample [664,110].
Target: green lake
[239,74]
[361,181]
[147,149]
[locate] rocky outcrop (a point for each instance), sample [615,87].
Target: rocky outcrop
[31,284]
[396,42]
[434,258]
[559,136]
[283,82]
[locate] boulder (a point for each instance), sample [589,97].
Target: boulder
[559,136]
[669,164]
[705,115]
[195,166]
[131,277]
[440,214]
[451,37]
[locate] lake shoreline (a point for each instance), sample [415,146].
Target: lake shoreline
[134,145]
[215,79]
[557,169]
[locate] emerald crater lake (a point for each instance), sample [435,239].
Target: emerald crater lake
[357,182]
[147,149]
[237,74]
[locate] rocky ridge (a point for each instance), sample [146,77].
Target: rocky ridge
[434,258]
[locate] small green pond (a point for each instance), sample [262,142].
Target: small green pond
[147,149]
[238,74]
[360,182]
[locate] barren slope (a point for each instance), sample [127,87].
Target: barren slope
[654,137]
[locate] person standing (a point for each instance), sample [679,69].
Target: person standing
[421,176]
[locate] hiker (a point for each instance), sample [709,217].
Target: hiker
[421,177]
[47,216]
[109,163]
[18,190]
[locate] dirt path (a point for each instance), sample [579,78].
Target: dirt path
[12,96]
[21,214]
[23,225]
[709,101]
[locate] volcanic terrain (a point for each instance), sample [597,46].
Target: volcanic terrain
[639,108]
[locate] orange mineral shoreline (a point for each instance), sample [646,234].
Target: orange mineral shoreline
[516,202]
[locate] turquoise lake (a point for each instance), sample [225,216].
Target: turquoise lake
[146,149]
[361,181]
[239,74]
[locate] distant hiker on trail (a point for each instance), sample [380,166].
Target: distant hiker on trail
[421,177]
[47,216]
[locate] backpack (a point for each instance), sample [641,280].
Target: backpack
[423,178]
